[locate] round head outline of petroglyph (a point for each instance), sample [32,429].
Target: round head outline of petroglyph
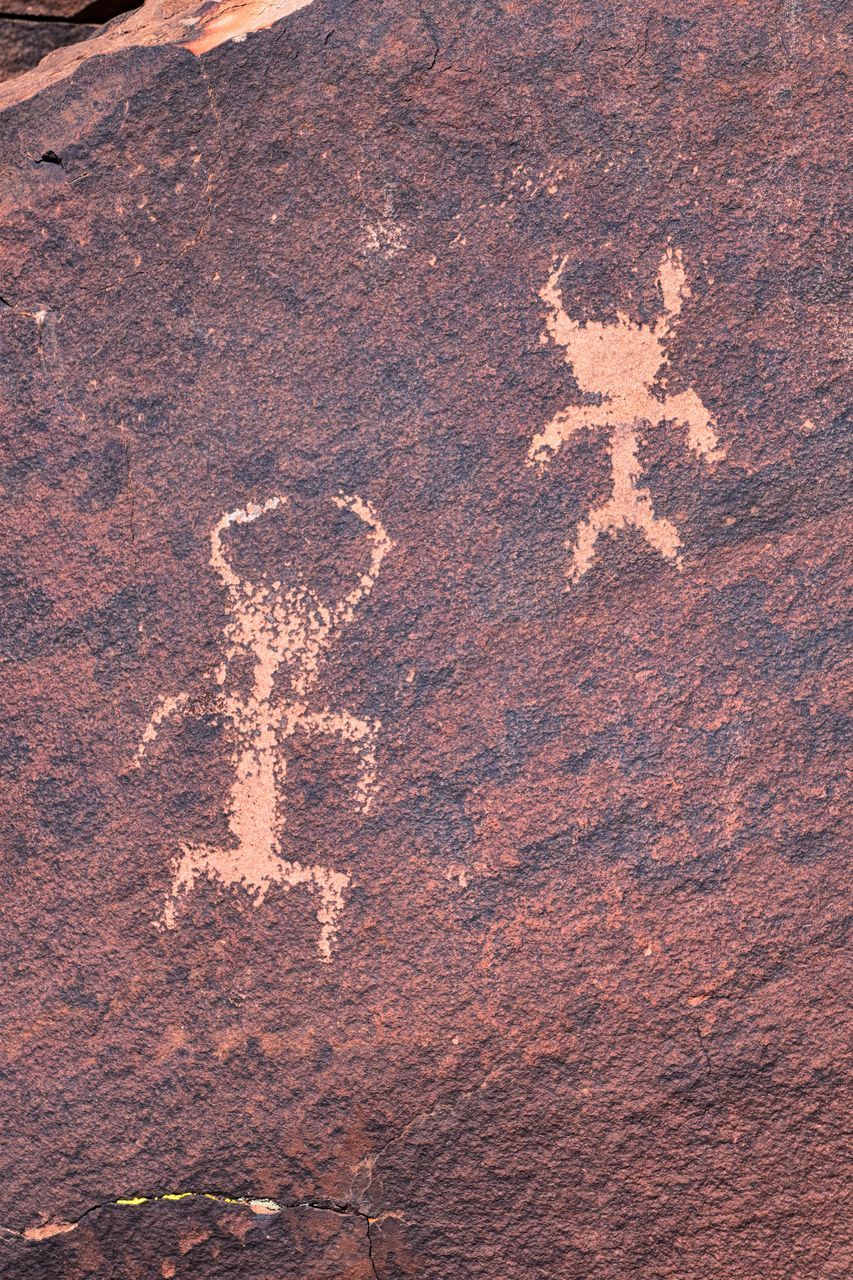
[290,624]
[613,359]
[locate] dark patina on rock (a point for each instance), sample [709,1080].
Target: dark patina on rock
[423,607]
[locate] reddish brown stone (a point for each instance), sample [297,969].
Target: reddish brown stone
[47,8]
[23,44]
[198,1237]
[581,1012]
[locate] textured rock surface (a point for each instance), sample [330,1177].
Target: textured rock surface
[23,44]
[577,854]
[200,25]
[47,8]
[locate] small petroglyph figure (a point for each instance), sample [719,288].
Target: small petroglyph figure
[386,235]
[622,365]
[282,631]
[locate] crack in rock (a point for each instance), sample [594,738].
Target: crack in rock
[259,1205]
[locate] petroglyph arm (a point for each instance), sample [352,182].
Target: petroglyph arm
[179,704]
[545,444]
[242,515]
[688,410]
[672,282]
[380,545]
[560,326]
[361,734]
[164,709]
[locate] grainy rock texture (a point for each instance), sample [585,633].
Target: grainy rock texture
[423,614]
[47,8]
[24,43]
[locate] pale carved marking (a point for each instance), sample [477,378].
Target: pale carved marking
[386,235]
[622,364]
[283,631]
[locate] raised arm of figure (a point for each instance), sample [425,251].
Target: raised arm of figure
[688,410]
[380,545]
[575,417]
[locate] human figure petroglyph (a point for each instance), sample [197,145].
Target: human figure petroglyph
[280,630]
[622,364]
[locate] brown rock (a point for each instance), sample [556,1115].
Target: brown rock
[48,8]
[23,44]
[199,25]
[425,474]
[197,1236]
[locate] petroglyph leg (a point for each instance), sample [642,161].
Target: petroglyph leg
[613,516]
[603,519]
[633,505]
[660,533]
[231,868]
[628,505]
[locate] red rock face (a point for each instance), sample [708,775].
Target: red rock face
[423,612]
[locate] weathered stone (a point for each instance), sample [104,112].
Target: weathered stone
[197,1236]
[48,8]
[425,468]
[23,44]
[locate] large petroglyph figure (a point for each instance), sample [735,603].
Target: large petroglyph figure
[281,630]
[622,363]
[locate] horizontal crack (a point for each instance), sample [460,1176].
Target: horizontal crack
[256,1204]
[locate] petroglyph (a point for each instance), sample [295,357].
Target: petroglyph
[281,631]
[622,365]
[386,235]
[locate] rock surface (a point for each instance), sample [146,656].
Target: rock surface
[47,8]
[23,44]
[423,614]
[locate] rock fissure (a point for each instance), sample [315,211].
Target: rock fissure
[259,1205]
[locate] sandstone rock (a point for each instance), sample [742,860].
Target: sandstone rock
[425,468]
[23,44]
[48,8]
